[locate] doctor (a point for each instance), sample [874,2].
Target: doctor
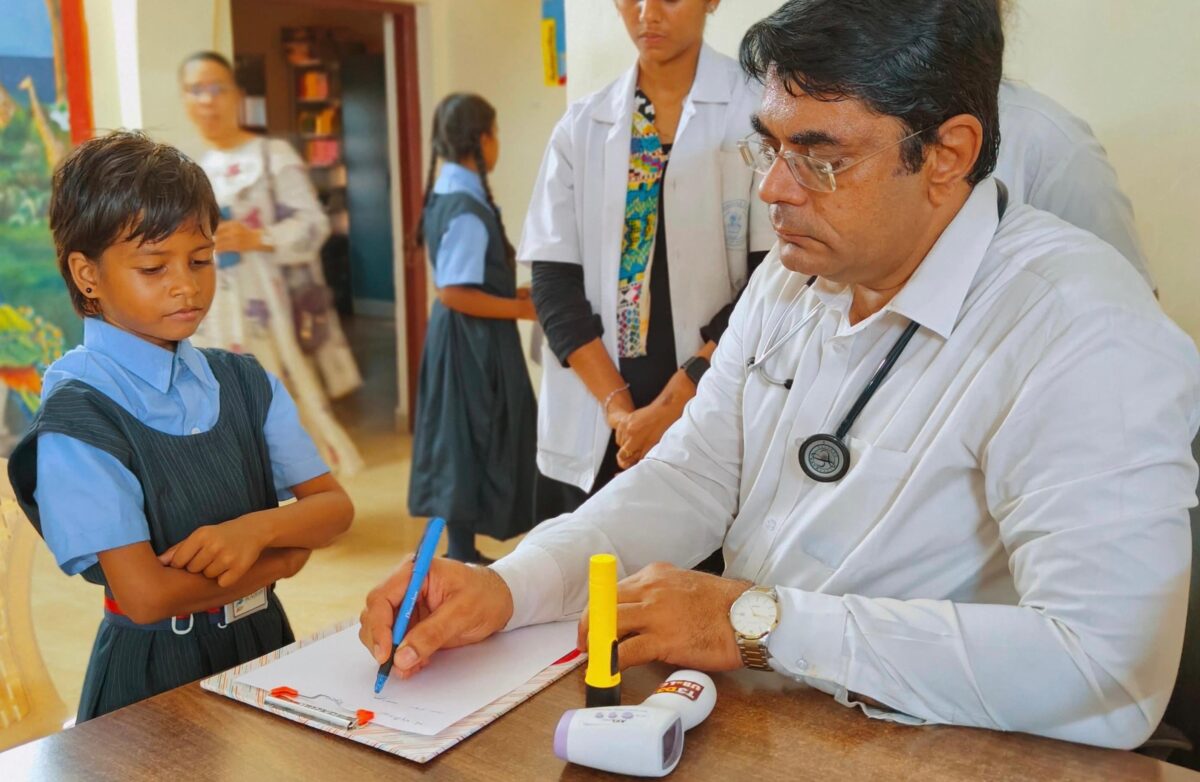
[641,233]
[944,442]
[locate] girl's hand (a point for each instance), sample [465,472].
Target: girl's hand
[642,429]
[235,237]
[525,310]
[223,552]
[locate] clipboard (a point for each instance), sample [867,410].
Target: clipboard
[410,746]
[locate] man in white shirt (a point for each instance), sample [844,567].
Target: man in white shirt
[994,531]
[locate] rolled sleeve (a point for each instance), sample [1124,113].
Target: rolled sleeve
[461,253]
[294,456]
[88,502]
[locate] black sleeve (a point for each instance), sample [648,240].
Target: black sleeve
[716,327]
[562,307]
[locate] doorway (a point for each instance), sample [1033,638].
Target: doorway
[338,80]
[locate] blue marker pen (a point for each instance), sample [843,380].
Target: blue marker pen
[429,541]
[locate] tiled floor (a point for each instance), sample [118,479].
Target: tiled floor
[335,581]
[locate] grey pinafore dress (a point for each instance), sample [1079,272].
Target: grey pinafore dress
[188,481]
[475,439]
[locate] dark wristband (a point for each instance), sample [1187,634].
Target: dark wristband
[695,367]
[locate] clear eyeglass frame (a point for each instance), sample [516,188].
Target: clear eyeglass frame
[810,172]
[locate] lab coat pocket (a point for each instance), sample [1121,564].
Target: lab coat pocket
[841,515]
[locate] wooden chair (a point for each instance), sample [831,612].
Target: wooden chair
[30,706]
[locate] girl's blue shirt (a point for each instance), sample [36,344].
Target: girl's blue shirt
[89,502]
[460,257]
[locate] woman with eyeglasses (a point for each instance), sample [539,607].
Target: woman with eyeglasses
[643,228]
[269,240]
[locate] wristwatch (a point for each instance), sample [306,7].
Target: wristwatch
[695,367]
[754,615]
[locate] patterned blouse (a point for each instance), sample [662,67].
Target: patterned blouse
[647,161]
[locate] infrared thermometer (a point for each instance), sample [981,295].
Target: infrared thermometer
[645,740]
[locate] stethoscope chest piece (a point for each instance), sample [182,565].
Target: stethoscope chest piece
[824,458]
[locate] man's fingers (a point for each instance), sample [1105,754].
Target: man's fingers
[377,620]
[437,631]
[203,561]
[636,650]
[581,633]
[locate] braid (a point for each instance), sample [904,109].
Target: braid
[510,252]
[425,202]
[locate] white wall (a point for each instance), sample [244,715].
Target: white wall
[135,47]
[1131,69]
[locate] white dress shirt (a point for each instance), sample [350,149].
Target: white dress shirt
[1050,159]
[1010,548]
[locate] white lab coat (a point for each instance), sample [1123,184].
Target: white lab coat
[713,218]
[1050,159]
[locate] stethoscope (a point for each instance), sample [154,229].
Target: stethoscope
[825,457]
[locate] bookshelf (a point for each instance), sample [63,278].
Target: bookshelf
[314,78]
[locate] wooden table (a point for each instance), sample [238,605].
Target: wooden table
[763,728]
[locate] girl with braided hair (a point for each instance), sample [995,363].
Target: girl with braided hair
[474,441]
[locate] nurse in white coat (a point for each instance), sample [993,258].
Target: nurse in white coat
[642,230]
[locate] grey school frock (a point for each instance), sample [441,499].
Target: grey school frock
[475,439]
[188,481]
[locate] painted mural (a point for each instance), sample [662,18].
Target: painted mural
[44,107]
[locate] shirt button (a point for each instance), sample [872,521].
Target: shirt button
[771,524]
[195,430]
[801,664]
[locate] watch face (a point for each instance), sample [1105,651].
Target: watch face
[753,614]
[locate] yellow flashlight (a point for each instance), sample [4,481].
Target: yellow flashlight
[603,677]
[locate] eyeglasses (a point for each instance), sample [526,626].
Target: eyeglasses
[212,91]
[812,173]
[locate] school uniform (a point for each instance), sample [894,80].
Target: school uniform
[474,440]
[136,443]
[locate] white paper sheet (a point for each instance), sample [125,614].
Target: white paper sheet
[456,683]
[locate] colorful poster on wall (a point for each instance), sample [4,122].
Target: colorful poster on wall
[554,42]
[44,106]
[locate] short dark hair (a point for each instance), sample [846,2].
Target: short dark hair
[119,187]
[209,56]
[920,61]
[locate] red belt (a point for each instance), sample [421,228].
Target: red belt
[111,606]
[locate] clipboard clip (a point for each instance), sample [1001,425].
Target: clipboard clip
[341,719]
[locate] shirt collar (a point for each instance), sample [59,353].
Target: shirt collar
[156,366]
[454,178]
[935,294]
[713,83]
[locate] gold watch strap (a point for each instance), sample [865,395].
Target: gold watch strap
[754,654]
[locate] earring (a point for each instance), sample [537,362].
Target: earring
[87,290]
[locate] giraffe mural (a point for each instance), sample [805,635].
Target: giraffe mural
[44,105]
[51,142]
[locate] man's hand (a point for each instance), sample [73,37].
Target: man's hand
[459,605]
[219,551]
[235,237]
[677,616]
[642,429]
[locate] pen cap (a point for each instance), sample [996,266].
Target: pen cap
[602,670]
[690,694]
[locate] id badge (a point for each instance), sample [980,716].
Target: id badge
[244,606]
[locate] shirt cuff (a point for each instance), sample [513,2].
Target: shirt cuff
[297,473]
[808,642]
[536,583]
